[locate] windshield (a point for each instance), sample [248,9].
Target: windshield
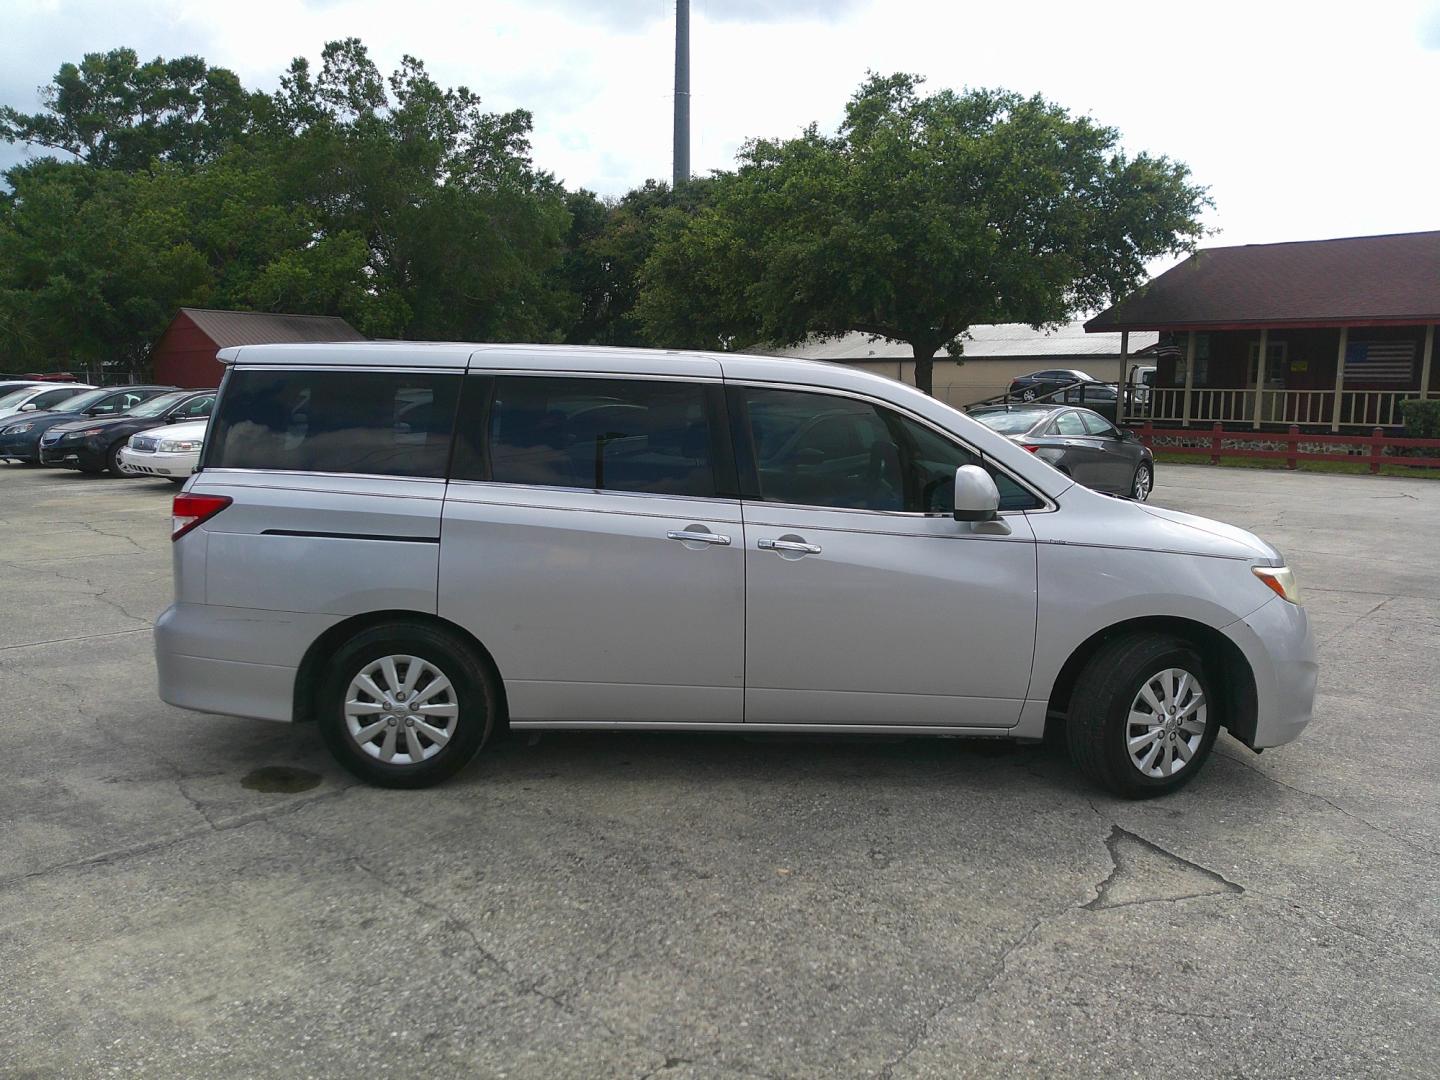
[80,402]
[15,397]
[1013,422]
[157,405]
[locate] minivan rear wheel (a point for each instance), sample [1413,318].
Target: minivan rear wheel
[1142,719]
[405,705]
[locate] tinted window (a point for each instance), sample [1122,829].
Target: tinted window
[388,424]
[1096,424]
[1068,423]
[195,408]
[818,450]
[1012,422]
[52,397]
[637,435]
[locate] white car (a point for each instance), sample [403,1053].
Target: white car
[416,544]
[39,397]
[171,452]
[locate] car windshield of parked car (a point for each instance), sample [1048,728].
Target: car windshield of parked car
[81,402]
[1013,422]
[16,396]
[157,406]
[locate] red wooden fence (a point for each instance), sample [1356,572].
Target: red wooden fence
[1374,445]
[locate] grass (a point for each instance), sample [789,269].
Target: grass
[1347,468]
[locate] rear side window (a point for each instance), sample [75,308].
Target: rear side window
[382,423]
[1068,423]
[632,435]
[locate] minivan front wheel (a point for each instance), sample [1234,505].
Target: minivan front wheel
[405,705]
[1142,718]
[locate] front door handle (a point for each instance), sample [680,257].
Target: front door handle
[797,546]
[685,536]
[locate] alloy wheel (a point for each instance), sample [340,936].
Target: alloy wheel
[401,710]
[1166,724]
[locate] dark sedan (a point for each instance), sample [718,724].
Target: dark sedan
[1029,387]
[1080,443]
[20,436]
[94,446]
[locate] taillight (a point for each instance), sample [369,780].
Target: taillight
[1031,447]
[191,510]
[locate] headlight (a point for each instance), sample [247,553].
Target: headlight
[178,446]
[1280,579]
[17,429]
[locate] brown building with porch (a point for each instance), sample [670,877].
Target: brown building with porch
[1331,334]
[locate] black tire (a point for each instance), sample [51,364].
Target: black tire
[475,693]
[112,460]
[1097,728]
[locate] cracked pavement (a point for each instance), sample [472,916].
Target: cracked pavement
[681,907]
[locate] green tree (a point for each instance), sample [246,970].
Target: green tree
[922,216]
[463,236]
[608,246]
[114,112]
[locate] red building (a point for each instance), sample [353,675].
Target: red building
[1327,333]
[185,353]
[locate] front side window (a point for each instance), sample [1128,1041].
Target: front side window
[625,435]
[818,450]
[195,408]
[380,423]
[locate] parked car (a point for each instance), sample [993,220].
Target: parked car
[1029,387]
[39,397]
[9,386]
[1080,443]
[171,452]
[687,561]
[20,435]
[94,446]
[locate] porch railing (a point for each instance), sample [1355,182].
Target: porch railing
[1358,408]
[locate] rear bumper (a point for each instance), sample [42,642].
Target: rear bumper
[233,661]
[1277,641]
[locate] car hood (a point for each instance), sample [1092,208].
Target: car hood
[187,429]
[105,423]
[43,419]
[1203,536]
[1091,518]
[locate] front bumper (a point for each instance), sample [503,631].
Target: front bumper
[73,455]
[21,447]
[1277,641]
[173,466]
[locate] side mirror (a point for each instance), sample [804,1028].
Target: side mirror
[1128,435]
[976,496]
[29,406]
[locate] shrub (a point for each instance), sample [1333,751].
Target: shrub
[1422,418]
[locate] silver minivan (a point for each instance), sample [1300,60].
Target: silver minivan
[418,545]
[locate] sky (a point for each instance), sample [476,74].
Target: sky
[1306,120]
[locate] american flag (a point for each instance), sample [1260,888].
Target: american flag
[1379,362]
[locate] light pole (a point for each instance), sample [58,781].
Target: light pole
[681,171]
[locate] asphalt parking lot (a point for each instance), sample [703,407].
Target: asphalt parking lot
[201,896]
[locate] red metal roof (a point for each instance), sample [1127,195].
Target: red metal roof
[1358,281]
